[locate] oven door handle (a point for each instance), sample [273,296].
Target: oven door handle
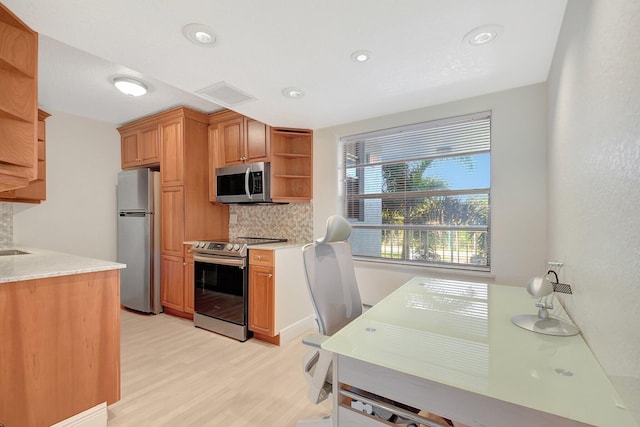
[222,260]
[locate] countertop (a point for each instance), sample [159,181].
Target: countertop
[41,263]
[460,334]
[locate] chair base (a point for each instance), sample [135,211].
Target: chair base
[319,422]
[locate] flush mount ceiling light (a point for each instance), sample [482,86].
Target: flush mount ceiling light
[361,56]
[199,34]
[292,92]
[482,35]
[129,86]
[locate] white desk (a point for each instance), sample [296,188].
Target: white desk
[450,347]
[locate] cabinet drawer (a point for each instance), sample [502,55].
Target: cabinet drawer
[261,257]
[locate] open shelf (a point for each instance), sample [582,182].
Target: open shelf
[291,164]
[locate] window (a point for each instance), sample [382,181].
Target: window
[420,194]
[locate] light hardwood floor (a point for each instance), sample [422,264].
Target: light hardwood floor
[174,374]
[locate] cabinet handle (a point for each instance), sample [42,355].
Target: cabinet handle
[270,276]
[184,263]
[259,257]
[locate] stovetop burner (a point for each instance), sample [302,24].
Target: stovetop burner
[231,247]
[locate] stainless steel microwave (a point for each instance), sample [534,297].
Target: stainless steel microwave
[248,183]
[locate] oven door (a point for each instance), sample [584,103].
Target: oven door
[221,288]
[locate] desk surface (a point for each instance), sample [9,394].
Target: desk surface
[460,334]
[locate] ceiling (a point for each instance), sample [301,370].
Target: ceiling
[418,57]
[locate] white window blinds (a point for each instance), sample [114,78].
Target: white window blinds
[420,193]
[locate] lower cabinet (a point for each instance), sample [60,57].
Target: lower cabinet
[261,300]
[279,305]
[177,284]
[262,294]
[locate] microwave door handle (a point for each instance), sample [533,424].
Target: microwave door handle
[246,183]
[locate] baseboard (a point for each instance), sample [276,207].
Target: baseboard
[294,330]
[93,417]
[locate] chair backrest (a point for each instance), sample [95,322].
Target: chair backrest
[331,277]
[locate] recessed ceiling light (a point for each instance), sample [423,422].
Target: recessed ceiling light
[361,56]
[199,34]
[292,92]
[482,35]
[129,86]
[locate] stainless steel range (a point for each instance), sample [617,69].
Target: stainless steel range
[221,285]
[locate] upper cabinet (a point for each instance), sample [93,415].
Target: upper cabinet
[235,139]
[240,139]
[18,102]
[140,145]
[36,191]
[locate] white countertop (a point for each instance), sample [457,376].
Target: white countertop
[460,334]
[40,263]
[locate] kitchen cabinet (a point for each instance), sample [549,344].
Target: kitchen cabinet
[18,102]
[240,139]
[279,304]
[60,347]
[186,212]
[262,295]
[172,283]
[171,219]
[36,191]
[177,283]
[235,139]
[139,146]
[291,165]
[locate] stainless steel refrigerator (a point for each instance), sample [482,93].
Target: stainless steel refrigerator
[139,239]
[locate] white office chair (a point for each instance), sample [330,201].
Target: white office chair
[335,297]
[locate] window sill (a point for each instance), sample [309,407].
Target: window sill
[453,272]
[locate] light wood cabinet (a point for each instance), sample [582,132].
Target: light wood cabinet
[279,305]
[235,139]
[262,293]
[172,282]
[186,212]
[36,191]
[291,165]
[172,140]
[18,102]
[240,139]
[172,220]
[60,347]
[139,147]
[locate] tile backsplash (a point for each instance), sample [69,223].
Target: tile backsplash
[6,225]
[293,222]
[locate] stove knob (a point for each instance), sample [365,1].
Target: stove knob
[229,247]
[236,247]
[200,244]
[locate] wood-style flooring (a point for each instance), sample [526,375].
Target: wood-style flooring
[174,374]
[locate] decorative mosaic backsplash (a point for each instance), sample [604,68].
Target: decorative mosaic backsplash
[6,225]
[293,222]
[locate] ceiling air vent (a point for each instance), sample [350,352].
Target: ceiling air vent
[224,94]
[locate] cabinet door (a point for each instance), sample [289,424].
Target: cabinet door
[172,282]
[257,141]
[148,146]
[172,221]
[261,300]
[171,153]
[231,134]
[129,150]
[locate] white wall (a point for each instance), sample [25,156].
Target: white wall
[594,180]
[79,215]
[518,185]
